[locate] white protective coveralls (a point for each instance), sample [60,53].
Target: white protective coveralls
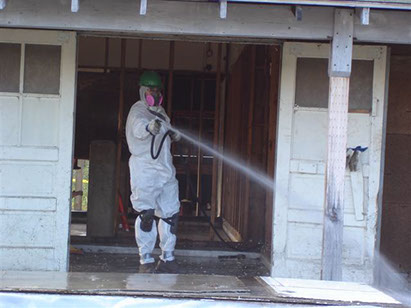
[153,182]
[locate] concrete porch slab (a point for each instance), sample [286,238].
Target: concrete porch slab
[336,291]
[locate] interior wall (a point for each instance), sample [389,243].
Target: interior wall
[396,212]
[245,205]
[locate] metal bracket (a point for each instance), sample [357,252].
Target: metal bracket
[3,4]
[364,15]
[75,5]
[339,64]
[298,12]
[223,9]
[143,7]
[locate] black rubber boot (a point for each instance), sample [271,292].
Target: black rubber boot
[167,267]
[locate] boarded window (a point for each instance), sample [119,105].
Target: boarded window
[312,84]
[9,67]
[42,69]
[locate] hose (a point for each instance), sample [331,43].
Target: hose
[155,156]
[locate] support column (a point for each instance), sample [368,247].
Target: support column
[339,72]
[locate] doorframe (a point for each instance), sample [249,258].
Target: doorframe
[291,52]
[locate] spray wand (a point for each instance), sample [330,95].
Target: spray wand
[162,119]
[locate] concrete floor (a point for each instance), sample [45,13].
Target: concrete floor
[157,290]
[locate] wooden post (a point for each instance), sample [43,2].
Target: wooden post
[74,6]
[339,72]
[120,126]
[79,185]
[106,53]
[217,139]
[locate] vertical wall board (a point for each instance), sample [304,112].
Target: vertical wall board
[91,51]
[35,182]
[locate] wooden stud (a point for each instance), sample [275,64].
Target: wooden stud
[3,4]
[75,6]
[250,127]
[170,80]
[120,126]
[216,141]
[223,9]
[106,53]
[199,152]
[143,7]
[298,12]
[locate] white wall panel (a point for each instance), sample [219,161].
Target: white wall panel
[29,259]
[9,120]
[303,241]
[37,180]
[40,121]
[35,229]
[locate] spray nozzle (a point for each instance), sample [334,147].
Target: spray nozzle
[157,114]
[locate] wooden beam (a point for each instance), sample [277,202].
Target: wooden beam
[143,7]
[75,6]
[364,15]
[339,71]
[223,9]
[216,141]
[298,12]
[3,4]
[262,25]
[120,126]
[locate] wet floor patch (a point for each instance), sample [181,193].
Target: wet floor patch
[239,266]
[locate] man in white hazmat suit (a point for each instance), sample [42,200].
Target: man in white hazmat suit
[154,187]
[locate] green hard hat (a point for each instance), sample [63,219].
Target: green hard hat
[151,79]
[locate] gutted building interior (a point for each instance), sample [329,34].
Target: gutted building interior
[396,206]
[223,94]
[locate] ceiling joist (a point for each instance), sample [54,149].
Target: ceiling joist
[298,12]
[364,15]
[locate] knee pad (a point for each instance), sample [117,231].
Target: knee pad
[173,222]
[147,217]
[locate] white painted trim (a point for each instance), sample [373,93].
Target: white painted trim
[284,135]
